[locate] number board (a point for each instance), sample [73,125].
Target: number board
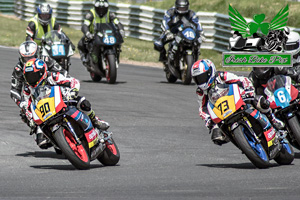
[189,33]
[282,97]
[58,50]
[45,108]
[109,40]
[224,107]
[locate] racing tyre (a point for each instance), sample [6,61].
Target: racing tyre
[110,155]
[95,77]
[111,69]
[186,75]
[295,127]
[286,154]
[253,150]
[76,154]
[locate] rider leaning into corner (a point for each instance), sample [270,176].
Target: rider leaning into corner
[206,77]
[27,51]
[42,23]
[261,75]
[175,15]
[97,15]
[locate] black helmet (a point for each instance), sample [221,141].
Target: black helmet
[101,7]
[35,72]
[28,50]
[44,13]
[182,6]
[263,73]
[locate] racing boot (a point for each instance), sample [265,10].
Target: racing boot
[217,136]
[41,140]
[84,58]
[278,124]
[97,123]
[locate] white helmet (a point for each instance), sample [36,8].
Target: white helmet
[293,46]
[203,73]
[44,12]
[28,50]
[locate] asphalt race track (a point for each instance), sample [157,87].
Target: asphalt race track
[166,152]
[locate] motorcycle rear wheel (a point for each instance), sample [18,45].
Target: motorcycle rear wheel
[256,154]
[111,73]
[110,155]
[76,154]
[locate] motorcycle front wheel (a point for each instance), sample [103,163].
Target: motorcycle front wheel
[111,69]
[286,154]
[76,154]
[95,77]
[295,128]
[253,150]
[187,76]
[110,155]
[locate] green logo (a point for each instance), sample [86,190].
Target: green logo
[241,59]
[238,23]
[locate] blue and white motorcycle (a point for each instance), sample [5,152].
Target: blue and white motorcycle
[284,100]
[57,46]
[182,53]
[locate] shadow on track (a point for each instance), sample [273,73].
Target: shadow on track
[63,167]
[176,83]
[235,166]
[42,154]
[104,82]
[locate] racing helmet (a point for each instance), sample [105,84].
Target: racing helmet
[28,50]
[263,73]
[101,7]
[182,6]
[203,73]
[44,12]
[35,72]
[292,46]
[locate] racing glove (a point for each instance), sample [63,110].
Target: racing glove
[89,36]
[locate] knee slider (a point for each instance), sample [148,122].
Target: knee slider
[84,104]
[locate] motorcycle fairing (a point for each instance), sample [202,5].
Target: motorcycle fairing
[226,105]
[270,136]
[280,91]
[47,107]
[86,124]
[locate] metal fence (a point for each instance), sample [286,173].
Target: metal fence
[139,21]
[7,6]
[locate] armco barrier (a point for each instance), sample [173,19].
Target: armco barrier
[139,21]
[7,6]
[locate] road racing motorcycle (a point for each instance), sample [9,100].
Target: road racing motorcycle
[70,130]
[187,47]
[230,108]
[57,45]
[107,62]
[284,100]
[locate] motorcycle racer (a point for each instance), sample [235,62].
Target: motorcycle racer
[36,74]
[100,13]
[172,18]
[206,77]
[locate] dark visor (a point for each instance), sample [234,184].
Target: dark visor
[203,78]
[44,16]
[182,8]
